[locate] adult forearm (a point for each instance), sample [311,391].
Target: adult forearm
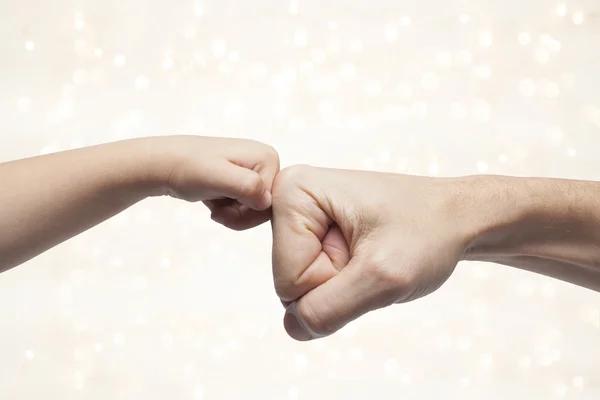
[547,226]
[48,199]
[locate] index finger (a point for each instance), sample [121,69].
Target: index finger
[299,226]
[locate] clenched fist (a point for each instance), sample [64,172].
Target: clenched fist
[349,242]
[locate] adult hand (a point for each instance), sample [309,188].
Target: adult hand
[349,242]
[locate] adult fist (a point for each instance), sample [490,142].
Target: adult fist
[349,242]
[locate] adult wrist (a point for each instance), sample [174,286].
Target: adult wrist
[492,208]
[510,217]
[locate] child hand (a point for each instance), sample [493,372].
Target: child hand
[233,177]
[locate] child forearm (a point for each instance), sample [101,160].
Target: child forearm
[48,199]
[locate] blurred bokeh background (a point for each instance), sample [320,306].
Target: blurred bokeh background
[161,303]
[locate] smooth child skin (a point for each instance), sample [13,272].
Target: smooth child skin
[48,199]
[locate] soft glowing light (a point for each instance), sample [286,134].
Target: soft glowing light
[199,392]
[356,46]
[79,21]
[81,77]
[430,81]
[391,367]
[189,33]
[444,59]
[418,109]
[486,39]
[119,339]
[373,89]
[578,18]
[404,91]
[524,38]
[318,55]
[218,48]
[66,109]
[300,38]
[391,33]
[527,88]
[168,63]
[577,382]
[119,60]
[142,82]
[482,110]
[483,72]
[29,46]
[433,169]
[464,58]
[482,167]
[293,393]
[293,7]
[561,389]
[561,9]
[198,8]
[458,111]
[524,362]
[551,90]
[486,361]
[541,55]
[550,43]
[24,105]
[234,56]
[348,70]
[464,18]
[301,361]
[554,136]
[307,67]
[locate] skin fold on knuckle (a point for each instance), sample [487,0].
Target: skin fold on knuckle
[316,321]
[290,283]
[390,282]
[252,187]
[286,290]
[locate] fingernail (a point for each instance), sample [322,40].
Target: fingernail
[295,326]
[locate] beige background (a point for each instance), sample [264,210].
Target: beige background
[161,303]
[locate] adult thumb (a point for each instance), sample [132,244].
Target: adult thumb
[329,307]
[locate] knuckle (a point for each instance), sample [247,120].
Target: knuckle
[392,281]
[272,156]
[292,174]
[316,321]
[285,289]
[251,186]
[287,183]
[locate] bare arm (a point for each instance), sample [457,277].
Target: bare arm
[547,226]
[346,243]
[48,199]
